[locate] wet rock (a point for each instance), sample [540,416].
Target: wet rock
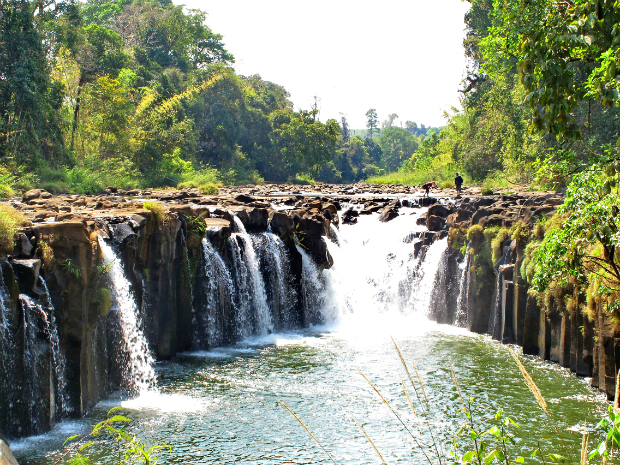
[281,224]
[439,210]
[122,232]
[23,246]
[350,216]
[435,223]
[26,274]
[388,213]
[244,198]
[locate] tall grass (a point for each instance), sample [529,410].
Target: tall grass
[10,222]
[474,442]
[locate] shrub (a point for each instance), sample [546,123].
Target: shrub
[157,208]
[446,184]
[475,233]
[498,241]
[10,223]
[196,179]
[303,179]
[209,189]
[486,191]
[6,180]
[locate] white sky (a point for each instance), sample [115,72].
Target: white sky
[403,57]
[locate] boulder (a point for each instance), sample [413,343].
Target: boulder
[439,210]
[435,223]
[26,274]
[122,232]
[281,224]
[23,246]
[388,213]
[350,216]
[244,198]
[491,220]
[31,195]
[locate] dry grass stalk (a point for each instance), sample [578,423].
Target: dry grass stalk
[584,446]
[421,384]
[456,383]
[402,360]
[371,443]
[617,395]
[385,401]
[402,381]
[427,410]
[539,398]
[309,432]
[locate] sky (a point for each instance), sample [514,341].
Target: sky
[397,56]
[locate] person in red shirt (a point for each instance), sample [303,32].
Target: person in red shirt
[427,187]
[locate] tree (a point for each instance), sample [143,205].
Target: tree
[304,143]
[344,128]
[397,145]
[372,121]
[29,101]
[389,122]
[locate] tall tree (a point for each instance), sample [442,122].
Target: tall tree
[372,121]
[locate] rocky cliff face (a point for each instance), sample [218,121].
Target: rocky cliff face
[57,273]
[488,237]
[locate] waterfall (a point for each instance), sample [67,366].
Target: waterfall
[495,319]
[377,273]
[8,359]
[461,302]
[139,375]
[334,234]
[423,283]
[312,289]
[58,359]
[255,315]
[215,300]
[280,287]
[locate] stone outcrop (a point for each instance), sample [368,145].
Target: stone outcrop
[161,253]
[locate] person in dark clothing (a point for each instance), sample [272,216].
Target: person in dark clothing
[427,187]
[458,182]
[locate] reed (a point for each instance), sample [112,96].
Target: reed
[398,417]
[529,382]
[371,443]
[309,432]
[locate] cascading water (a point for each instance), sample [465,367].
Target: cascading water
[279,285]
[254,312]
[58,359]
[312,289]
[8,359]
[377,273]
[215,300]
[138,375]
[461,302]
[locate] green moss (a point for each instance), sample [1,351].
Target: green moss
[497,242]
[104,298]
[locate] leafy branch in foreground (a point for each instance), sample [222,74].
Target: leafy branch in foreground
[111,430]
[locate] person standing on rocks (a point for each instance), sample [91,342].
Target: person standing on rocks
[458,182]
[427,187]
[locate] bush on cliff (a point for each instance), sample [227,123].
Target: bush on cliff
[10,222]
